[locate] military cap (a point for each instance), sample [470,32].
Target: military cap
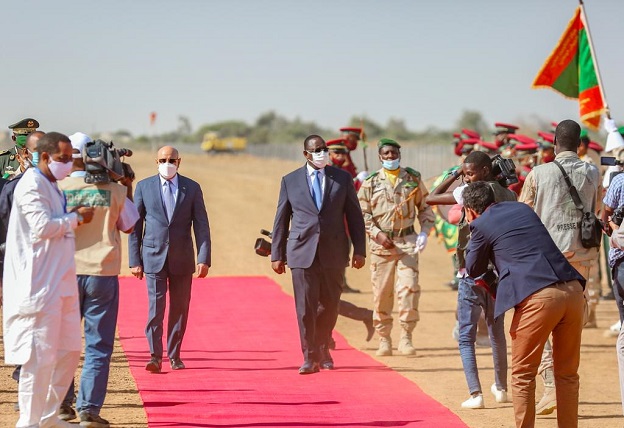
[595,146]
[546,140]
[24,126]
[484,146]
[502,128]
[336,144]
[388,142]
[469,133]
[519,139]
[465,146]
[351,130]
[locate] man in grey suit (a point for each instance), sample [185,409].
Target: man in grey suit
[318,204]
[160,247]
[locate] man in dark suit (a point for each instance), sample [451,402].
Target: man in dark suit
[537,280]
[160,247]
[317,203]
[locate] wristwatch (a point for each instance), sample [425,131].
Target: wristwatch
[455,174]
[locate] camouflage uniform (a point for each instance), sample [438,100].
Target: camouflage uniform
[393,209]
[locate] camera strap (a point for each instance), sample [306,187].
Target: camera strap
[573,191]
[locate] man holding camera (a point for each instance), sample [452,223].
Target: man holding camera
[98,263]
[546,191]
[537,280]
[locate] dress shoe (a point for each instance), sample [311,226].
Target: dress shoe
[154,365]
[66,412]
[309,367]
[326,362]
[332,343]
[177,364]
[370,329]
[91,420]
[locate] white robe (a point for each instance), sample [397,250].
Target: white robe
[39,268]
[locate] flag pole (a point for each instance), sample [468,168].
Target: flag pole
[593,54]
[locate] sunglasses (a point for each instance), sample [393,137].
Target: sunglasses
[167,160]
[319,150]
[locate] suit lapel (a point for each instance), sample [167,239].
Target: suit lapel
[329,182]
[306,183]
[157,189]
[182,188]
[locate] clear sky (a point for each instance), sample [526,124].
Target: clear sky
[103,66]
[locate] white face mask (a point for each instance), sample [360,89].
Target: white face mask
[60,170]
[167,170]
[320,160]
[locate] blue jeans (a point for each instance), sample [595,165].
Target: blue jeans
[471,299]
[617,273]
[99,304]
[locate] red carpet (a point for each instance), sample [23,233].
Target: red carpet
[242,353]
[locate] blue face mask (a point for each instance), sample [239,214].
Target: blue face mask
[35,158]
[390,165]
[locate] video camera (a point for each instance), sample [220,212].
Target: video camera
[618,216]
[610,161]
[504,171]
[262,246]
[103,162]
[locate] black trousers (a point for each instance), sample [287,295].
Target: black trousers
[317,295]
[349,310]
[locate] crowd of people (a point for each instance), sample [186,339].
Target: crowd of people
[60,238]
[540,264]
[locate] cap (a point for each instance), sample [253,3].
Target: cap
[469,133]
[351,130]
[583,133]
[546,140]
[24,126]
[553,126]
[465,146]
[338,143]
[595,146]
[388,142]
[504,128]
[484,146]
[519,139]
[78,141]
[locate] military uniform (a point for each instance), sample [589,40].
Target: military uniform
[393,209]
[9,159]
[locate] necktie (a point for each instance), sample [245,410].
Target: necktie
[317,191]
[169,201]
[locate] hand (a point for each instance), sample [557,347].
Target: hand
[137,271]
[85,212]
[202,270]
[358,261]
[609,125]
[421,241]
[383,240]
[279,266]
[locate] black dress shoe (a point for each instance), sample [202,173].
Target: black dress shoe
[177,364]
[309,367]
[370,329]
[332,343]
[154,365]
[326,361]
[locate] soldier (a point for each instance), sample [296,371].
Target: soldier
[546,143]
[391,199]
[502,132]
[11,160]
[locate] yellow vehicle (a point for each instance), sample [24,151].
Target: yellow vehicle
[213,143]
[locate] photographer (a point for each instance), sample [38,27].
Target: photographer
[98,262]
[473,298]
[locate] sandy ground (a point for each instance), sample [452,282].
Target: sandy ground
[241,194]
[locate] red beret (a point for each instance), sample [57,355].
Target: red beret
[528,147]
[547,136]
[488,146]
[504,127]
[465,146]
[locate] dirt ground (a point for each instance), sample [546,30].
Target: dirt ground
[241,194]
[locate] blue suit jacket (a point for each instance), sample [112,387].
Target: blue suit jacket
[154,239]
[300,230]
[526,258]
